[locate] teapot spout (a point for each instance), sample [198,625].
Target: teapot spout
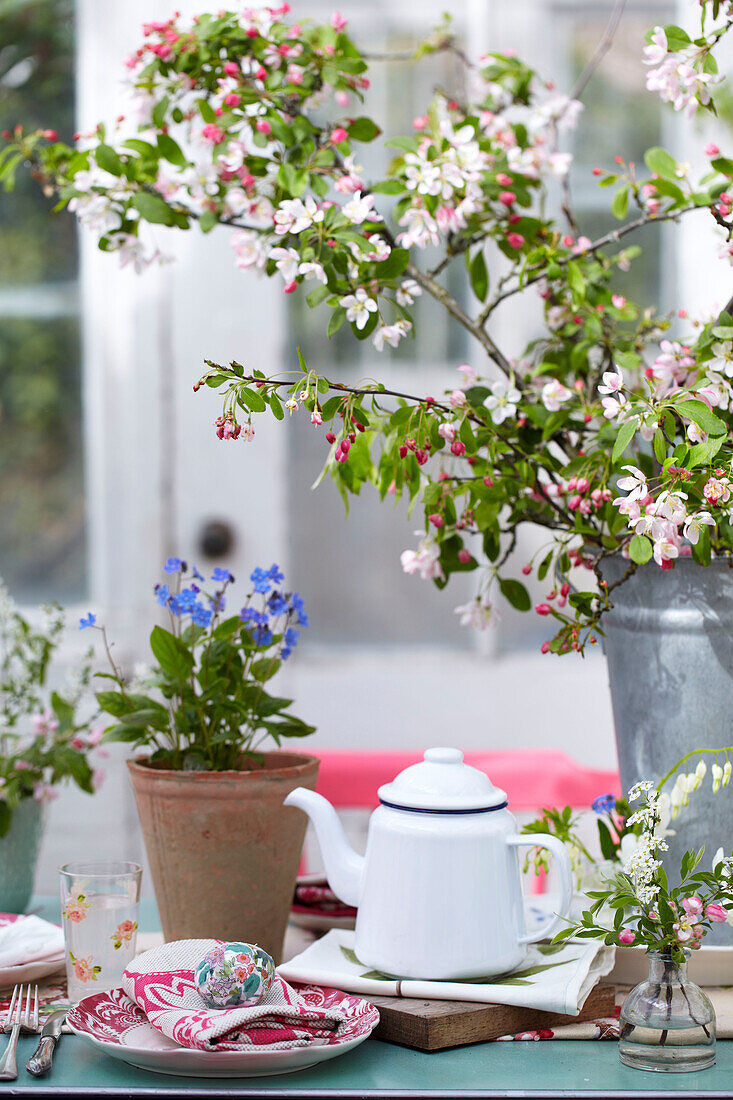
[344,867]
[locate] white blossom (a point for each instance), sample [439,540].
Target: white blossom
[502,401]
[358,306]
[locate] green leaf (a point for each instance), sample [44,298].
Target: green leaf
[363,129]
[254,401]
[6,816]
[409,144]
[640,549]
[108,160]
[702,415]
[388,187]
[171,653]
[677,38]
[608,848]
[143,148]
[208,220]
[335,321]
[63,710]
[701,551]
[153,208]
[292,179]
[125,733]
[479,276]
[576,281]
[620,204]
[351,956]
[159,112]
[171,151]
[626,433]
[206,111]
[114,703]
[660,161]
[276,407]
[515,593]
[265,669]
[394,265]
[660,445]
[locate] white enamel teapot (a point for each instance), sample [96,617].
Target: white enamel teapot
[438,892]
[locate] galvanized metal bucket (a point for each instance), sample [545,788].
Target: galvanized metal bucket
[669,646]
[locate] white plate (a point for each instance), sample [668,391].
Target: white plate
[117,1027]
[320,922]
[315,919]
[33,969]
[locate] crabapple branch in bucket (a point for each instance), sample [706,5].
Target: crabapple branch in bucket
[610,431]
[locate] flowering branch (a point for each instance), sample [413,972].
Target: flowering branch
[611,435]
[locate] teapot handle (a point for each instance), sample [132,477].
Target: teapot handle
[559,851]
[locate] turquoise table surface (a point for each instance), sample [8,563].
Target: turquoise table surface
[375,1069]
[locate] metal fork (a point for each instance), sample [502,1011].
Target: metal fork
[18,1018]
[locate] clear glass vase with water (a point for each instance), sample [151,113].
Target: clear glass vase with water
[100,901]
[667,1022]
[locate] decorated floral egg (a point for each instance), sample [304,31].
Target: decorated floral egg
[234,974]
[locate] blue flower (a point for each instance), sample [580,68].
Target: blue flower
[275,575]
[195,573]
[604,804]
[202,616]
[298,605]
[174,565]
[261,580]
[162,594]
[263,636]
[183,602]
[285,653]
[291,637]
[277,604]
[90,620]
[219,603]
[257,618]
[221,575]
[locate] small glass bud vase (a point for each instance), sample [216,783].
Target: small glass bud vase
[667,1022]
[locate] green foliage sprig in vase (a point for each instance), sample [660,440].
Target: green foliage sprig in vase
[210,710]
[43,742]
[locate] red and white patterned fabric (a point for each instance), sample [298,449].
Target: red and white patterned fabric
[161,983]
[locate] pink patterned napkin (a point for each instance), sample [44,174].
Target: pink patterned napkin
[161,983]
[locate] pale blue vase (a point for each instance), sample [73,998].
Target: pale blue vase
[19,850]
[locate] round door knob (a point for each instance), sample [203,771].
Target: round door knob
[216,539]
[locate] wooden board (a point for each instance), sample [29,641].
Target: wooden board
[437,1025]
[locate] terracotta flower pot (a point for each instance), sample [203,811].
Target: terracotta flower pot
[223,849]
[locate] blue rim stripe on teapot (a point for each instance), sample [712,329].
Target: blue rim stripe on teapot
[422,810]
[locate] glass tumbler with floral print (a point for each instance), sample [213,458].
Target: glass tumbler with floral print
[99,911]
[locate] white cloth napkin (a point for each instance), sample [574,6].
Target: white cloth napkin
[554,977]
[29,939]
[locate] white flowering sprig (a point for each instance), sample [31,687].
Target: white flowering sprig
[647,910]
[42,740]
[688,781]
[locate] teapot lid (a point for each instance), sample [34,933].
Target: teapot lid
[442,783]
